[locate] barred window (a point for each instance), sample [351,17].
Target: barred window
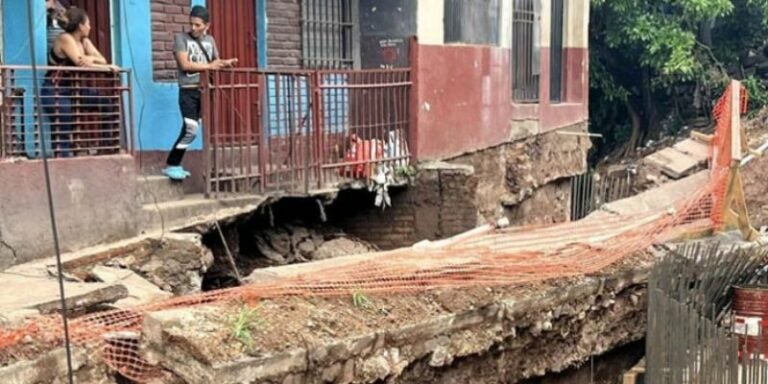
[327,34]
[472,22]
[556,59]
[526,65]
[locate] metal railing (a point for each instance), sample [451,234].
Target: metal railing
[690,338]
[294,131]
[326,33]
[591,190]
[83,112]
[525,50]
[556,51]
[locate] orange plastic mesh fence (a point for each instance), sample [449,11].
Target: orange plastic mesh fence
[510,256]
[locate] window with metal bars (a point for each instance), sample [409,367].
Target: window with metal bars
[472,22]
[556,59]
[327,34]
[526,66]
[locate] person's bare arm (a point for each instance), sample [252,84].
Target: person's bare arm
[93,52]
[182,59]
[69,47]
[229,63]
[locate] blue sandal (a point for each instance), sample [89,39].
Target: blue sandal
[176,173]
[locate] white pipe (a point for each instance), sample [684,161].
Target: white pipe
[571,133]
[749,157]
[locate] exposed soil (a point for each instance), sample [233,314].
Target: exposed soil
[288,323]
[755,177]
[755,174]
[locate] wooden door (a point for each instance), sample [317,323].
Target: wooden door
[101,24]
[233,25]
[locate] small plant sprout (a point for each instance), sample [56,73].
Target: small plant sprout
[360,300]
[244,322]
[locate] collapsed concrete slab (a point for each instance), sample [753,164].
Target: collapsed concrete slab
[42,296]
[527,330]
[677,163]
[662,197]
[174,263]
[140,291]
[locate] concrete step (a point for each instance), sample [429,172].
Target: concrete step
[195,209]
[159,187]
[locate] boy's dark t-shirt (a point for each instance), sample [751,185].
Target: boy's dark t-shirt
[183,42]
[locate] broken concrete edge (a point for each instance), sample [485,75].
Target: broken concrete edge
[465,169]
[106,295]
[45,369]
[674,162]
[420,340]
[663,197]
[140,290]
[445,243]
[203,223]
[224,215]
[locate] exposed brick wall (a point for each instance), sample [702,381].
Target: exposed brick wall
[284,33]
[169,17]
[439,204]
[549,204]
[513,172]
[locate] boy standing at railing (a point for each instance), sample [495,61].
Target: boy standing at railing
[195,52]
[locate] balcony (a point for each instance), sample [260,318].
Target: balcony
[297,131]
[82,112]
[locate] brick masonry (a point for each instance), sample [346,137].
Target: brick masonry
[439,204]
[169,17]
[284,33]
[527,180]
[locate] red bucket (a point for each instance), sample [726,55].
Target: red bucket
[750,309]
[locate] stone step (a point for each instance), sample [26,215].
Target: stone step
[194,209]
[151,187]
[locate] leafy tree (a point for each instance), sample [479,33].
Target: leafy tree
[656,61]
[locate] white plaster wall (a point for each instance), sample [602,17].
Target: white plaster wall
[430,21]
[577,24]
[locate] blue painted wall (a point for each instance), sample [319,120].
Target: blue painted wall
[156,114]
[156,111]
[18,50]
[16,35]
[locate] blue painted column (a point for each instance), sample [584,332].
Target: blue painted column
[261,32]
[16,34]
[18,50]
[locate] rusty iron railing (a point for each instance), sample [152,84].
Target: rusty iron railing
[83,112]
[692,336]
[591,190]
[295,131]
[525,51]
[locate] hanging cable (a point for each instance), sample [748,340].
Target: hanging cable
[48,191]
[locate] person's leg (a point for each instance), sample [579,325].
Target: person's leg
[189,103]
[57,104]
[93,101]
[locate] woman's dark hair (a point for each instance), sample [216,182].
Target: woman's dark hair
[74,16]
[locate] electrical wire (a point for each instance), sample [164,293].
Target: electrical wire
[49,192]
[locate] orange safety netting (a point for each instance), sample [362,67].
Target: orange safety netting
[510,256]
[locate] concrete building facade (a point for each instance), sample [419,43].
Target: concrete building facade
[467,63]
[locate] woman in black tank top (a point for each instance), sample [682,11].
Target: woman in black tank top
[72,48]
